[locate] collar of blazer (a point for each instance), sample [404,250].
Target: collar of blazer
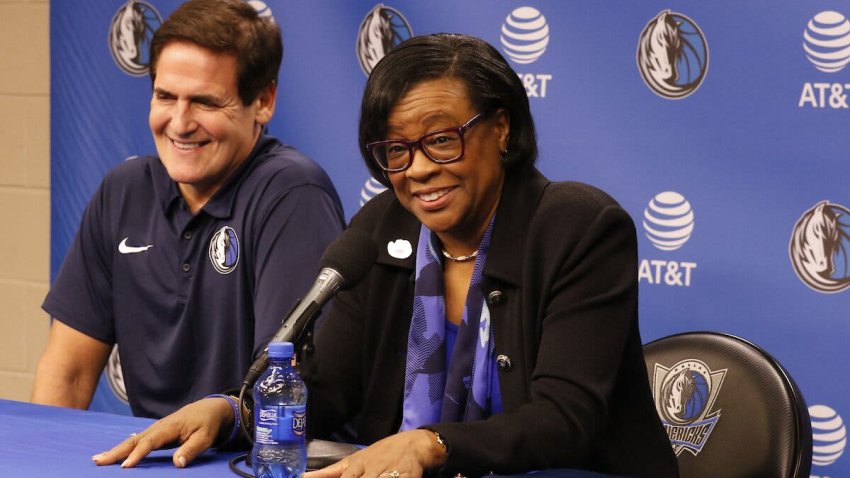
[522,192]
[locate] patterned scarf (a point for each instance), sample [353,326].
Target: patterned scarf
[433,394]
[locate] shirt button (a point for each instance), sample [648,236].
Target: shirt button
[504,363]
[495,298]
[186,267]
[187,235]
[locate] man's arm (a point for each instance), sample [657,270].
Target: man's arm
[69,369]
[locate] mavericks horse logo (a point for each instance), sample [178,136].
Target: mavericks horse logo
[224,250]
[115,376]
[381,30]
[820,247]
[684,399]
[130,36]
[672,55]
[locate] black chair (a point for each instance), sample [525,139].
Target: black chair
[730,409]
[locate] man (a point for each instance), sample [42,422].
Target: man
[189,261]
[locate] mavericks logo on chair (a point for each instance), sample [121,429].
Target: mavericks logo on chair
[684,397]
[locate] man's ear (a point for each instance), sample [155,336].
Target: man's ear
[265,104]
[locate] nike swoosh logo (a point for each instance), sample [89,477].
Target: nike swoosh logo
[123,248]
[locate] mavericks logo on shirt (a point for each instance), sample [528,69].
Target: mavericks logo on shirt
[224,250]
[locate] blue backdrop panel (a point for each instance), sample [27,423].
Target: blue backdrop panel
[720,126]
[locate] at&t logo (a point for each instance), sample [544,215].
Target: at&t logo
[829,435]
[370,189]
[672,55]
[262,9]
[820,247]
[380,31]
[524,38]
[826,42]
[668,222]
[130,36]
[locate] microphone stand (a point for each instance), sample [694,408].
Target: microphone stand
[262,362]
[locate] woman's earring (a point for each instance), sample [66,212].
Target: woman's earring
[503,155]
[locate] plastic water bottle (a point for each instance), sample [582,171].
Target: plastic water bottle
[280,418]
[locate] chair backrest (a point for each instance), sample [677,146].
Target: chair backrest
[730,409]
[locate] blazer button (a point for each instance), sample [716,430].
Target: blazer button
[503,362]
[495,298]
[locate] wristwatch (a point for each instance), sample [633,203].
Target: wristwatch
[439,438]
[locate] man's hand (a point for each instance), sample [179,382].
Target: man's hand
[195,427]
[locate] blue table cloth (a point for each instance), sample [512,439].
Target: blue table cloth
[37,441]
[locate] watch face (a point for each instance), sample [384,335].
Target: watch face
[439,438]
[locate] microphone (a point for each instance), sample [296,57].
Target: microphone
[344,263]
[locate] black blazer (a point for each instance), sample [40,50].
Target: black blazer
[561,283]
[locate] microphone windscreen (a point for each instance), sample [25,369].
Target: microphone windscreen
[351,255]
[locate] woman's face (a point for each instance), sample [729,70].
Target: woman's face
[455,200]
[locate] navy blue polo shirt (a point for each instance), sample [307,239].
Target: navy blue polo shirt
[191,299]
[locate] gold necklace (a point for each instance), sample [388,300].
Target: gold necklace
[459,258]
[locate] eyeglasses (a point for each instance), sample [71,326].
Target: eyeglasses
[441,146]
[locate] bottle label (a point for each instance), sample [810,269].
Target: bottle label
[276,424]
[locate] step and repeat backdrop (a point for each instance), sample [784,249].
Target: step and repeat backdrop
[722,127]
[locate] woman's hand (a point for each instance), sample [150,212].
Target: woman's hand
[195,427]
[403,455]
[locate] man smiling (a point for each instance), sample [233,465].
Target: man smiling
[188,261]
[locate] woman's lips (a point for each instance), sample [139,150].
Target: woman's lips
[433,198]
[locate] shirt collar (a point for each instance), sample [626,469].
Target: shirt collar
[221,204]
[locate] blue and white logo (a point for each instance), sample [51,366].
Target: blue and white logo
[684,399]
[130,36]
[263,10]
[371,188]
[820,247]
[826,41]
[829,435]
[525,35]
[224,250]
[668,220]
[672,55]
[299,422]
[115,376]
[381,30]
[268,415]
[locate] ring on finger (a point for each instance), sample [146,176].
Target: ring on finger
[389,474]
[132,434]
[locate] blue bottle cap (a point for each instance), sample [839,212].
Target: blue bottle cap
[281,350]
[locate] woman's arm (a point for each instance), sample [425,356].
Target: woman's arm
[584,292]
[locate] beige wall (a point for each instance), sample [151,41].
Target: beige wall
[24,190]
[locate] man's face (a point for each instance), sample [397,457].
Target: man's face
[201,128]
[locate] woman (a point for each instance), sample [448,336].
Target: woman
[497,330]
